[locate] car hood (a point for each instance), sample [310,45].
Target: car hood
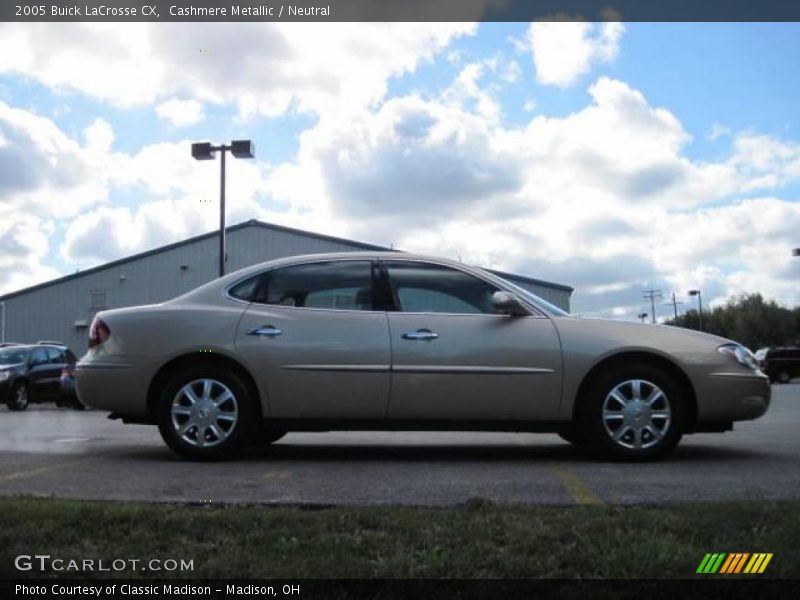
[600,337]
[11,366]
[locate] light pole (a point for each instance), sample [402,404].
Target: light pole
[205,151]
[642,316]
[699,305]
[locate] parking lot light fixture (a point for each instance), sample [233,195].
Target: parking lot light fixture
[796,252]
[699,305]
[205,151]
[642,316]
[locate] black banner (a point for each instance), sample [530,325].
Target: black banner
[401,10]
[428,589]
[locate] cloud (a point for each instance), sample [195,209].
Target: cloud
[23,248]
[181,113]
[44,171]
[277,67]
[564,51]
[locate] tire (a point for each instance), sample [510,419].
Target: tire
[223,412]
[20,397]
[631,431]
[783,377]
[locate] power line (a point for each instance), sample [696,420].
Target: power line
[652,295]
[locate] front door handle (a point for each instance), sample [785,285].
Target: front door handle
[420,334]
[265,331]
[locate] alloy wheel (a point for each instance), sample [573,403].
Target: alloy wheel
[636,414]
[21,397]
[204,412]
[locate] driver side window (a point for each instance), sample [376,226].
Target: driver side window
[430,288]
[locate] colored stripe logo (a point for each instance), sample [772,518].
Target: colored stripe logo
[734,563]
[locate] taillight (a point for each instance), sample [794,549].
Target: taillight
[98,332]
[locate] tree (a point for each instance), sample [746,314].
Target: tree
[749,320]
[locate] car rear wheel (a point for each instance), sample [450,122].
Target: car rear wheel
[20,397]
[206,413]
[635,412]
[783,377]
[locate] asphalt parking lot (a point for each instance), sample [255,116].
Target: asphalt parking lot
[47,451]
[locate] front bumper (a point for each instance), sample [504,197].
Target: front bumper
[733,396]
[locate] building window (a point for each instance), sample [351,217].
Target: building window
[98,300]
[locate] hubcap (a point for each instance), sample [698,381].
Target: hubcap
[204,412]
[22,396]
[636,414]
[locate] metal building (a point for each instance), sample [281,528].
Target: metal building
[62,309]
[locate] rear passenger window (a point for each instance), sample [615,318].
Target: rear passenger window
[55,356]
[339,285]
[39,356]
[245,290]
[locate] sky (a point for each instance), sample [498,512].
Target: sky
[614,157]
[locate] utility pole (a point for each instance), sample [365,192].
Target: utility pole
[652,295]
[674,304]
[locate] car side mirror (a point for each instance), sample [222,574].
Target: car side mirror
[508,304]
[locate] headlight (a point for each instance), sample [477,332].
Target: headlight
[4,375]
[740,354]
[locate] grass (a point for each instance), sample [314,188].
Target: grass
[476,540]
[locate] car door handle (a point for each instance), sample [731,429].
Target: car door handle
[420,334]
[265,330]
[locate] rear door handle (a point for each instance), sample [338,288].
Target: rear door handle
[420,335]
[265,331]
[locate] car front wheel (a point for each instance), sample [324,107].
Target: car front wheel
[206,413]
[783,377]
[20,397]
[634,412]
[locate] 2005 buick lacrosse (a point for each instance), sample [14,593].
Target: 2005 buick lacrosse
[391,341]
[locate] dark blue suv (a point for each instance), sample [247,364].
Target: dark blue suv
[33,373]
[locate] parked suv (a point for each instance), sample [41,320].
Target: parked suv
[781,364]
[32,373]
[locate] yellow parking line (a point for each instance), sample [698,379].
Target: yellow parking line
[33,472]
[580,493]
[276,475]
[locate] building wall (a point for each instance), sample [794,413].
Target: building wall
[51,312]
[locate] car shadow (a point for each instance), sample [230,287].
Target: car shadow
[420,453]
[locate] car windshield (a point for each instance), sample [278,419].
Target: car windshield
[550,309]
[12,356]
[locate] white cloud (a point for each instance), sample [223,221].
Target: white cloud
[24,246]
[262,68]
[45,172]
[181,113]
[563,51]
